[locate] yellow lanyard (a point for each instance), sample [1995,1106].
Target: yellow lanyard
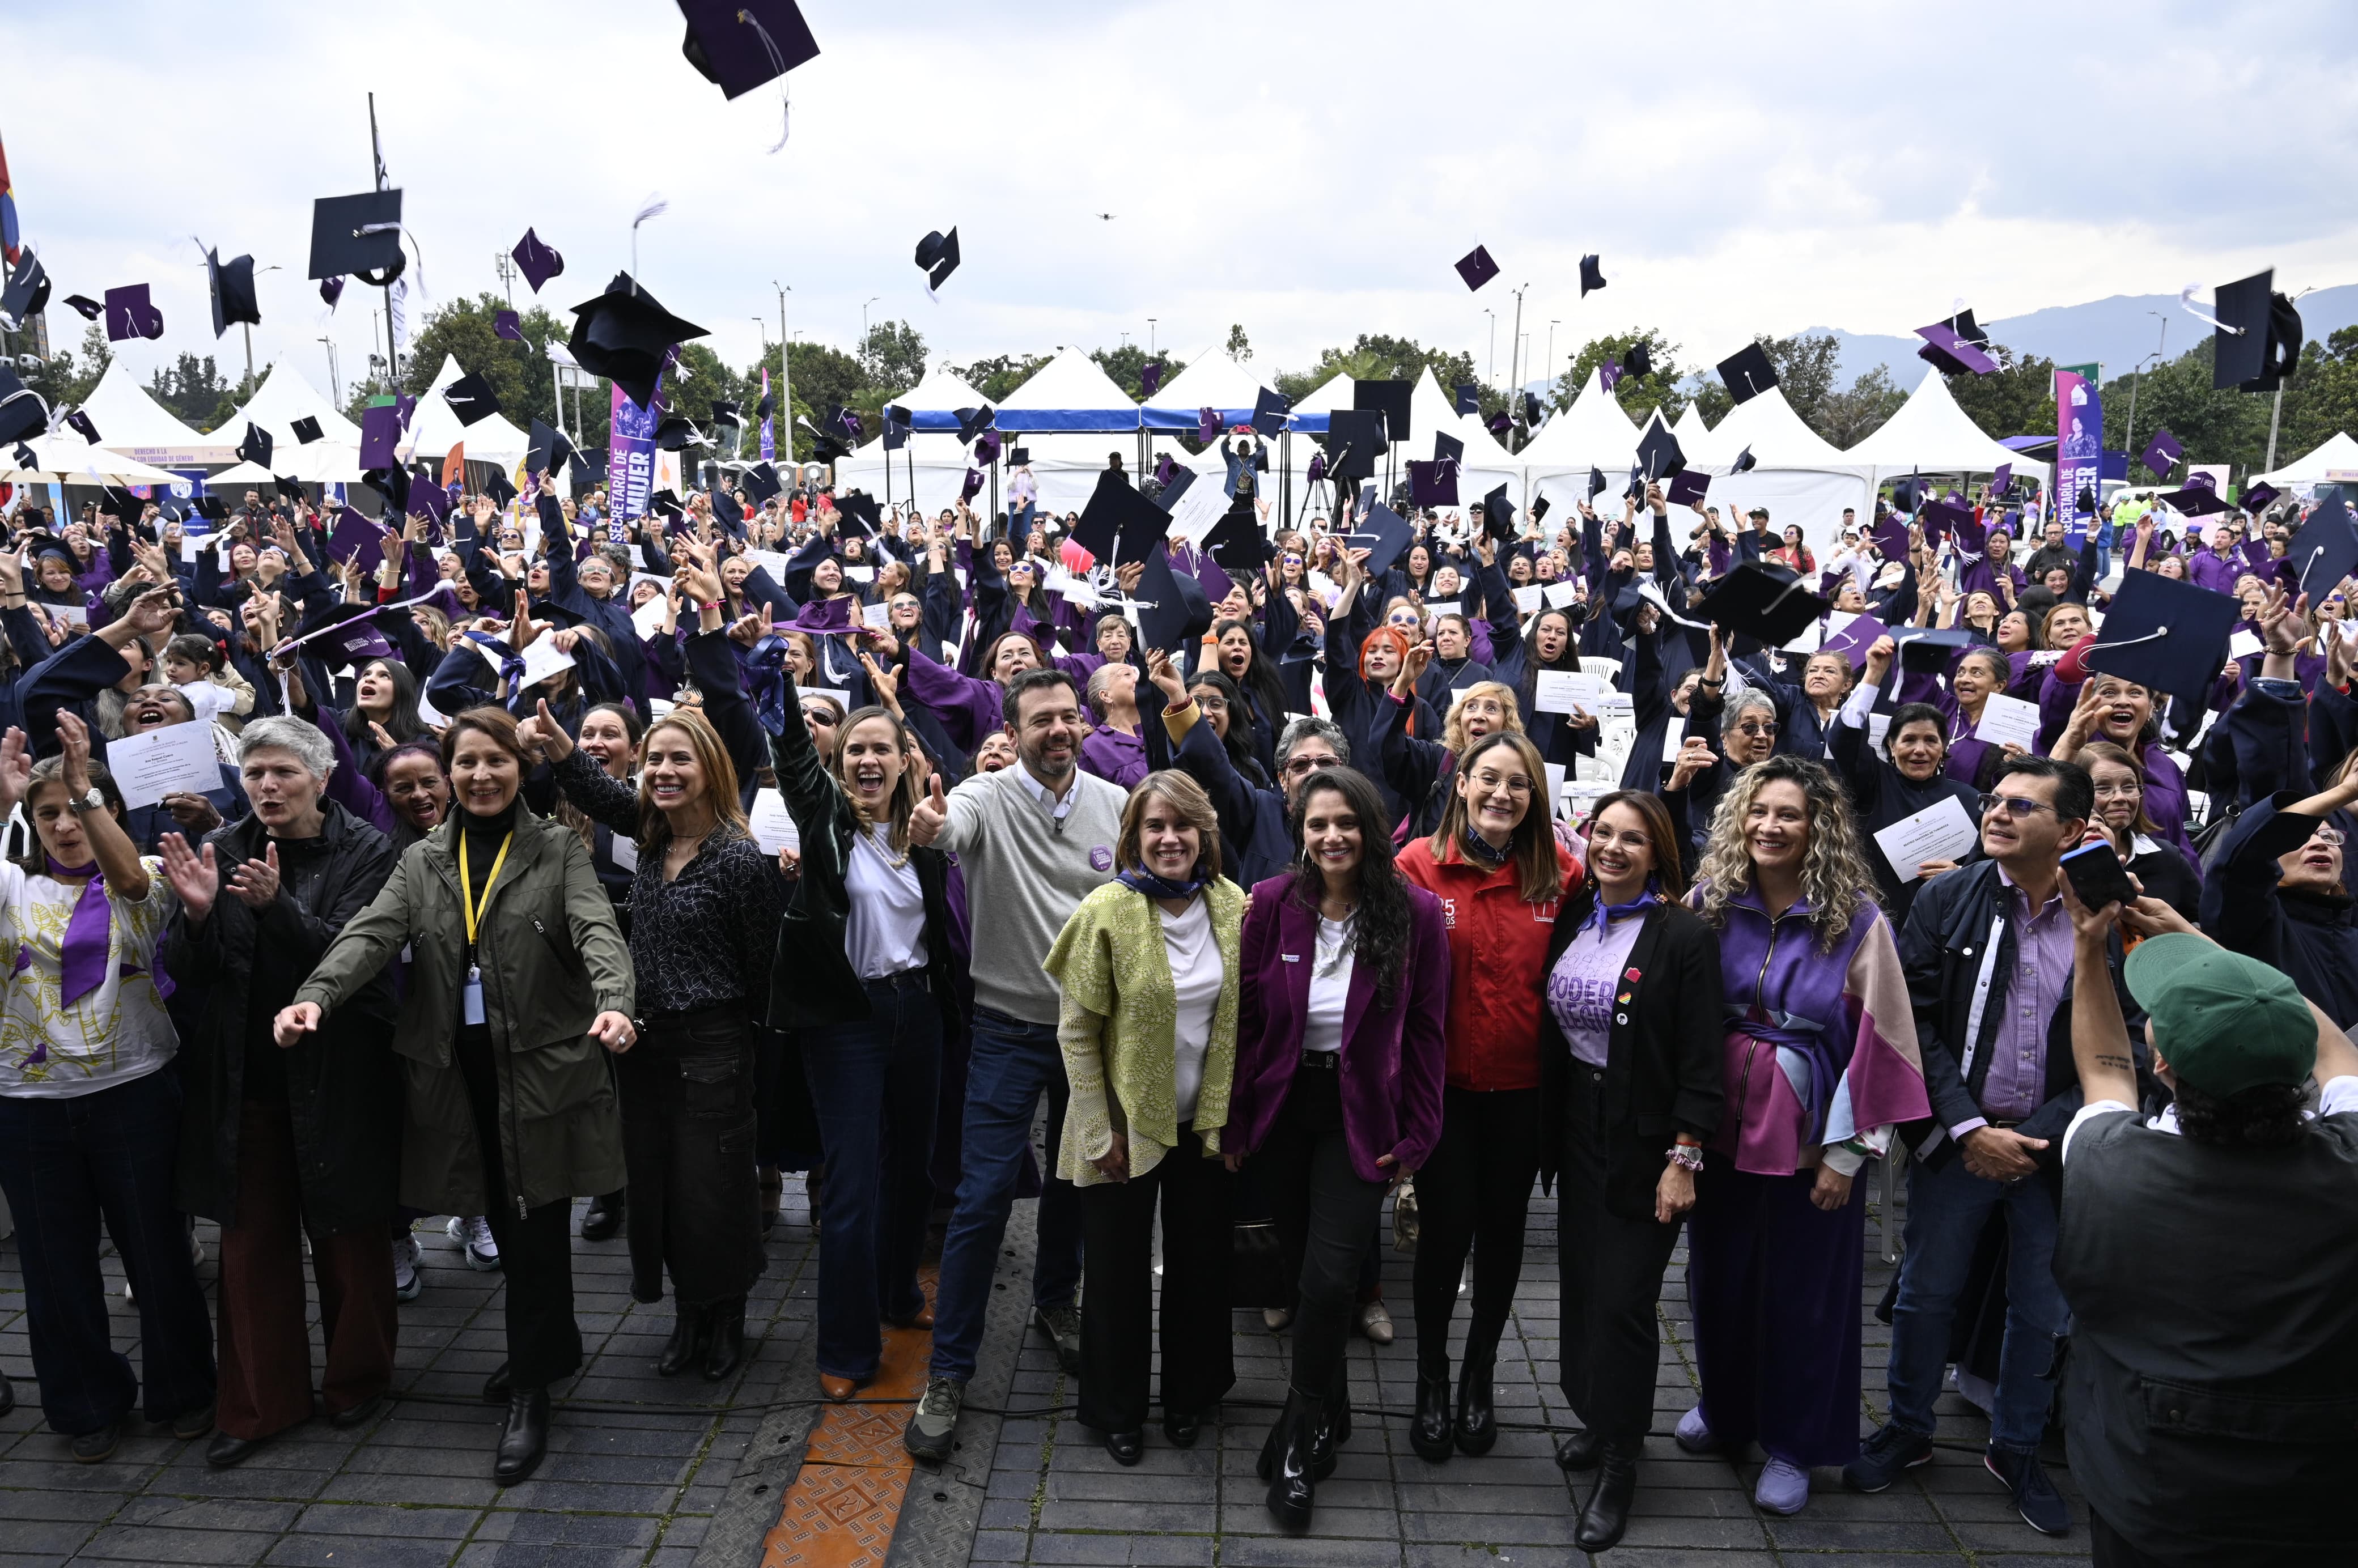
[467,900]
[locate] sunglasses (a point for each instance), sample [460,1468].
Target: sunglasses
[2015,804]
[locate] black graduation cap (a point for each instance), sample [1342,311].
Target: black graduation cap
[937,254]
[1390,398]
[1687,487]
[1448,449]
[2258,339]
[1930,651]
[896,436]
[1477,268]
[762,482]
[1469,397]
[1384,534]
[498,487]
[1433,485]
[1747,373]
[1757,602]
[471,398]
[1638,360]
[676,434]
[256,448]
[1238,542]
[1499,515]
[737,45]
[2324,551]
[1533,411]
[1907,494]
[826,446]
[1657,455]
[392,483]
[232,291]
[1119,523]
[1597,483]
[212,507]
[623,335]
[1539,506]
[26,292]
[725,412]
[1592,276]
[1354,439]
[1270,409]
[2194,501]
[306,431]
[972,422]
[2164,634]
[546,449]
[130,315]
[122,504]
[357,235]
[83,425]
[1016,456]
[1173,609]
[860,515]
[90,309]
[1745,462]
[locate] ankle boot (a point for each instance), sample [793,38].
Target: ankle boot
[1432,1436]
[1477,1424]
[1332,1429]
[687,1342]
[1606,1513]
[602,1221]
[1287,1464]
[525,1439]
[725,1323]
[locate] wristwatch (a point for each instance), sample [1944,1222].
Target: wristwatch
[91,802]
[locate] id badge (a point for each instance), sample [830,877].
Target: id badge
[474,994]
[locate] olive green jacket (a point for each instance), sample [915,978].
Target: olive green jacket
[552,959]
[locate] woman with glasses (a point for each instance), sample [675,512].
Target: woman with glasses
[2276,892]
[1903,776]
[1494,864]
[1820,1064]
[2163,871]
[2111,707]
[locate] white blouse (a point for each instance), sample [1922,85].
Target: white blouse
[1330,983]
[1196,974]
[884,932]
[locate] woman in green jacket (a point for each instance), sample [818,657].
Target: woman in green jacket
[517,976]
[1148,968]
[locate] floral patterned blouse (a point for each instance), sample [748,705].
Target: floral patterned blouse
[114,1034]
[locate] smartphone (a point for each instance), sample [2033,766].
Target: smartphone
[2098,876]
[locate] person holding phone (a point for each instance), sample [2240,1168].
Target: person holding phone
[1987,952]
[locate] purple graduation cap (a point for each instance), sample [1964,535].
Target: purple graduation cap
[2162,454]
[380,433]
[1207,423]
[1477,268]
[822,617]
[83,426]
[356,538]
[1150,378]
[537,260]
[1500,424]
[330,290]
[1950,354]
[2002,480]
[1687,487]
[986,446]
[129,314]
[1432,483]
[2260,497]
[972,486]
[1608,376]
[1854,640]
[1163,467]
[507,324]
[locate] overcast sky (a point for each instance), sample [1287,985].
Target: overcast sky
[1310,170]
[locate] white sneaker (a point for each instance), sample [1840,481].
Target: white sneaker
[474,1232]
[406,1280]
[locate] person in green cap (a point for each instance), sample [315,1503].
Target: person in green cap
[2210,1257]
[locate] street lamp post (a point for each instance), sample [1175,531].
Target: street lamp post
[1490,374]
[785,374]
[2137,371]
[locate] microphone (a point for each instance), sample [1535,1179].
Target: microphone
[1058,823]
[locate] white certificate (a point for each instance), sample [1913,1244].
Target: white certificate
[1555,691]
[1560,595]
[879,616]
[543,658]
[625,851]
[1444,607]
[1674,739]
[157,763]
[1528,600]
[648,616]
[2245,642]
[2009,722]
[1939,832]
[772,825]
[769,561]
[860,574]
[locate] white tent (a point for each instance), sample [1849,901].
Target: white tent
[243,473]
[1485,465]
[940,460]
[1070,416]
[284,396]
[65,458]
[1594,432]
[435,429]
[1212,379]
[132,422]
[2336,461]
[1799,475]
[1931,434]
[1694,437]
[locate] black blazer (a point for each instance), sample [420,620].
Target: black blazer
[1664,1054]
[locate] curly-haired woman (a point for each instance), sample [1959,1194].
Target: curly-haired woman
[1821,1063]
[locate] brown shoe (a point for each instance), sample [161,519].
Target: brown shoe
[922,1318]
[838,1389]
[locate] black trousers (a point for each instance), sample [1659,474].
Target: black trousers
[1473,1195]
[1118,1291]
[1611,1273]
[535,1247]
[687,1149]
[1325,1214]
[2109,1548]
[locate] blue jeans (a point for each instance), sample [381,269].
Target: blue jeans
[1012,1063]
[1947,1207]
[872,1084]
[68,1166]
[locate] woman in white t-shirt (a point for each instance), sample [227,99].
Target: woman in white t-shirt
[90,1114]
[1147,966]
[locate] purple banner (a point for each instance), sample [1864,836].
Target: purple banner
[2079,450]
[769,439]
[631,454]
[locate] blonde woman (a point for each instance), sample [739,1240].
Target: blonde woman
[1821,1063]
[1147,966]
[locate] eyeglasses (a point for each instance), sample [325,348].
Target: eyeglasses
[2117,791]
[2015,804]
[1211,704]
[1306,764]
[1756,729]
[2329,836]
[1518,784]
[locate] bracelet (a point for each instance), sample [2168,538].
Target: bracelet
[1688,1155]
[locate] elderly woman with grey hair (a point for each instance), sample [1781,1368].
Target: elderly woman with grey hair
[274,1144]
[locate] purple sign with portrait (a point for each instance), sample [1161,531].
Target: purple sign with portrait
[2078,452]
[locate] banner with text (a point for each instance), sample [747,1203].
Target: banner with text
[631,452]
[769,439]
[2079,450]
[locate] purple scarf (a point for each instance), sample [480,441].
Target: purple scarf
[81,955]
[1603,914]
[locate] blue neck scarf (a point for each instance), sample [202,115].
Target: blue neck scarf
[1145,882]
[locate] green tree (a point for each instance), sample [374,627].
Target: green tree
[823,375]
[521,374]
[1125,366]
[1237,348]
[1637,395]
[2214,426]
[1000,373]
[2018,399]
[68,376]
[2321,399]
[194,391]
[1378,356]
[891,359]
[1847,419]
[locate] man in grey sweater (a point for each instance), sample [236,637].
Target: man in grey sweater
[1033,840]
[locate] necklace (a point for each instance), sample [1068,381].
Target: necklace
[881,840]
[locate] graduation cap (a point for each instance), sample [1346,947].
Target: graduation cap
[2257,341]
[471,398]
[508,325]
[2324,551]
[212,507]
[1150,377]
[1907,494]
[344,633]
[499,488]
[1448,449]
[971,486]
[1207,424]
[1532,411]
[1755,602]
[1173,609]
[2162,454]
[232,284]
[1747,373]
[1745,462]
[739,45]
[2002,482]
[1120,524]
[1238,542]
[986,448]
[1638,360]
[428,498]
[896,435]
[1941,517]
[1497,513]
[90,309]
[761,484]
[1477,268]
[971,422]
[256,448]
[1390,398]
[1687,487]
[1384,534]
[330,290]
[537,260]
[129,315]
[1597,483]
[118,502]
[1018,456]
[1354,439]
[1591,275]
[306,429]
[1890,535]
[2260,497]
[357,235]
[1468,398]
[1270,409]
[2164,634]
[1540,507]
[1433,485]
[676,434]
[1946,351]
[26,292]
[392,482]
[2194,501]
[1854,640]
[937,254]
[2085,501]
[1930,651]
[80,423]
[725,412]
[1658,454]
[624,336]
[546,450]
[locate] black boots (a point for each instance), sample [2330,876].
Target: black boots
[602,1220]
[724,1323]
[525,1438]
[1477,1424]
[689,1336]
[1606,1514]
[1288,1461]
[1434,1431]
[1578,1450]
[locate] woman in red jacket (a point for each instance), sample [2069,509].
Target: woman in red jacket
[1497,868]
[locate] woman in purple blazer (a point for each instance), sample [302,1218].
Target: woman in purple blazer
[1345,965]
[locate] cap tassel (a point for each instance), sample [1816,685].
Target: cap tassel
[18,823]
[778,64]
[2157,632]
[2186,299]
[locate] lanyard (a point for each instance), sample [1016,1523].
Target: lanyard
[467,901]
